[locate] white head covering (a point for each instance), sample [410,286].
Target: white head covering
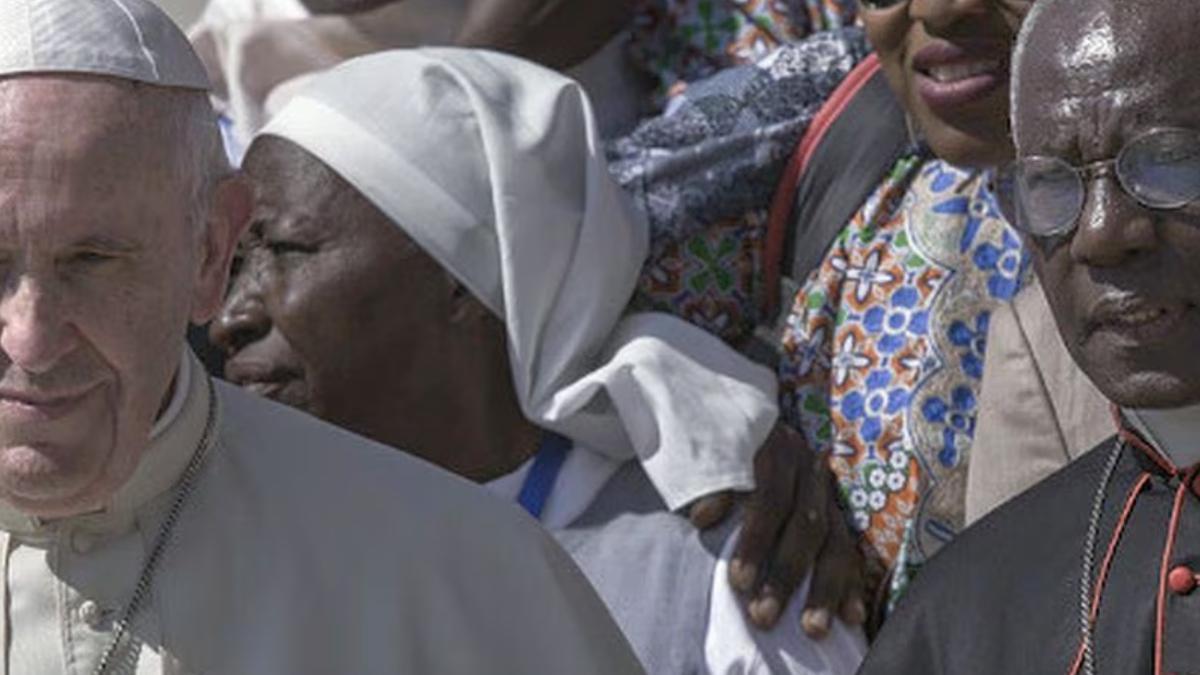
[128,39]
[494,166]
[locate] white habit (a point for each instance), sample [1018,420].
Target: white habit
[495,167]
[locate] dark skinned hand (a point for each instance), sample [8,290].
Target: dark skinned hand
[791,524]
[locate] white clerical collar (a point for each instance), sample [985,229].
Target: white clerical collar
[1175,432]
[173,440]
[583,475]
[179,391]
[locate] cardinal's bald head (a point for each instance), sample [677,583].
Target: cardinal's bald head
[1070,50]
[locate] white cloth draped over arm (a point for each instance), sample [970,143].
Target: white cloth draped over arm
[494,166]
[733,647]
[695,411]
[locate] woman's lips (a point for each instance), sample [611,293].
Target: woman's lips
[949,76]
[267,380]
[268,389]
[945,96]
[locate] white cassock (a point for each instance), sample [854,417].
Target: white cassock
[301,549]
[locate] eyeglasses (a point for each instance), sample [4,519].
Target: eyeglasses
[1044,196]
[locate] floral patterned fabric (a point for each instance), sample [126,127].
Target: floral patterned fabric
[883,351]
[712,279]
[687,40]
[883,354]
[705,174]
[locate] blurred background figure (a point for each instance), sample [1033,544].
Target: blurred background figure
[681,41]
[629,54]
[251,47]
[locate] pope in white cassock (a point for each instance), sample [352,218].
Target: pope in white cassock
[154,521]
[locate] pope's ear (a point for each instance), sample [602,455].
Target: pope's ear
[228,217]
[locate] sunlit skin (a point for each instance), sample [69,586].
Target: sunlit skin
[101,273]
[329,295]
[1125,285]
[919,42]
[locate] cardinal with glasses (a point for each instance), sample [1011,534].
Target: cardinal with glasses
[1096,569]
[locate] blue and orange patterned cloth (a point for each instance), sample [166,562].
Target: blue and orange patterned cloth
[882,354]
[681,41]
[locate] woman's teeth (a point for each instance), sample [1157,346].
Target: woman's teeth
[962,71]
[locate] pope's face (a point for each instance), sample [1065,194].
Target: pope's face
[948,63]
[1125,284]
[98,266]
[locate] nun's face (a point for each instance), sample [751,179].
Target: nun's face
[948,64]
[331,308]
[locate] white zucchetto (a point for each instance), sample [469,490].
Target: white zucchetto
[126,39]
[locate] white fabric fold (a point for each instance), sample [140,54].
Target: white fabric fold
[494,166]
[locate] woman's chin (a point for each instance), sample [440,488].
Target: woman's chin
[973,145]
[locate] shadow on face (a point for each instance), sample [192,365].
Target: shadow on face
[1124,284]
[334,310]
[948,63]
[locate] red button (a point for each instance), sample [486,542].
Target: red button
[1181,580]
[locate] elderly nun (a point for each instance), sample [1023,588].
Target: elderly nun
[440,260]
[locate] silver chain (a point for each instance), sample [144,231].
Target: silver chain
[1089,558]
[120,651]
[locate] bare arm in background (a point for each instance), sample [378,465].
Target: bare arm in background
[555,33]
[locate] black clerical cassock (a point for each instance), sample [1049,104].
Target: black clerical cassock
[1092,571]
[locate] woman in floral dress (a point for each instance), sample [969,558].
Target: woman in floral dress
[881,355]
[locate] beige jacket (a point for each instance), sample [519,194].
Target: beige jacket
[303,550]
[1038,411]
